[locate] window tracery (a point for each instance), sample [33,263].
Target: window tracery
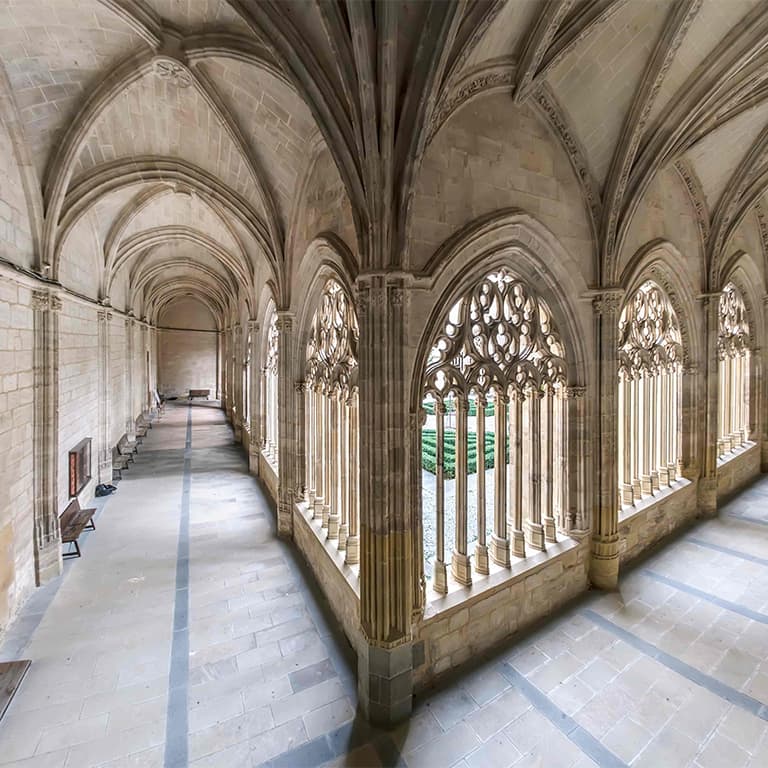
[495,430]
[269,390]
[650,386]
[331,411]
[734,371]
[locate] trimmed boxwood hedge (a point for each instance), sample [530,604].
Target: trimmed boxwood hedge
[429,451]
[429,407]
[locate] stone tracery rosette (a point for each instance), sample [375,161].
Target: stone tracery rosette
[332,348]
[499,335]
[733,334]
[649,333]
[273,338]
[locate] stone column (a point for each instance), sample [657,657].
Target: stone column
[547,463]
[286,428]
[760,399]
[440,576]
[534,528]
[237,382]
[130,424]
[515,495]
[499,537]
[334,466]
[387,524]
[461,567]
[707,487]
[48,563]
[481,548]
[301,491]
[353,540]
[604,566]
[104,448]
[577,454]
[254,395]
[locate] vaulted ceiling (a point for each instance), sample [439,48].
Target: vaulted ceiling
[175,137]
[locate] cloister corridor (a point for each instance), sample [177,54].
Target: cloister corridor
[669,671]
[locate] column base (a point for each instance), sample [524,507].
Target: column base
[48,562]
[343,536]
[654,482]
[663,477]
[518,543]
[627,495]
[325,516]
[333,525]
[105,471]
[500,551]
[637,491]
[461,568]
[353,550]
[645,485]
[385,683]
[604,565]
[672,471]
[550,533]
[481,559]
[535,535]
[317,508]
[440,576]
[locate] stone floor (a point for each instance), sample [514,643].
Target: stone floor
[671,671]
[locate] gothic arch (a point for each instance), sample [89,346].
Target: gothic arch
[514,240]
[657,261]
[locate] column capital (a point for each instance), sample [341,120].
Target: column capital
[607,300]
[284,321]
[46,301]
[253,326]
[575,392]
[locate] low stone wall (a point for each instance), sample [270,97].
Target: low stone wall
[338,581]
[268,476]
[454,635]
[738,470]
[656,518]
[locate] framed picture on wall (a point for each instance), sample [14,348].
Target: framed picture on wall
[79,467]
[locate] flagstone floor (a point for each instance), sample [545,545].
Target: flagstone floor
[188,634]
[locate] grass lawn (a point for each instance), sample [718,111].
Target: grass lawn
[429,451]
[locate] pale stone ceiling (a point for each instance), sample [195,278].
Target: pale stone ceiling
[245,95]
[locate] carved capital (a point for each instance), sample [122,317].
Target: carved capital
[284,322]
[45,301]
[608,302]
[575,393]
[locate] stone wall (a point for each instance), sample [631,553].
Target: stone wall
[656,518]
[187,349]
[483,620]
[339,581]
[78,391]
[17,577]
[738,470]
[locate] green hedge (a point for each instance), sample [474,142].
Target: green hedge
[429,407]
[429,451]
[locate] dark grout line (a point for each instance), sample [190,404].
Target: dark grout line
[575,733]
[702,679]
[709,597]
[176,723]
[727,550]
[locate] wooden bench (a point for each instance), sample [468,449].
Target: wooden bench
[73,522]
[199,393]
[119,463]
[11,675]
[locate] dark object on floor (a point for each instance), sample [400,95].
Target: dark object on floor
[73,522]
[172,398]
[104,489]
[11,675]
